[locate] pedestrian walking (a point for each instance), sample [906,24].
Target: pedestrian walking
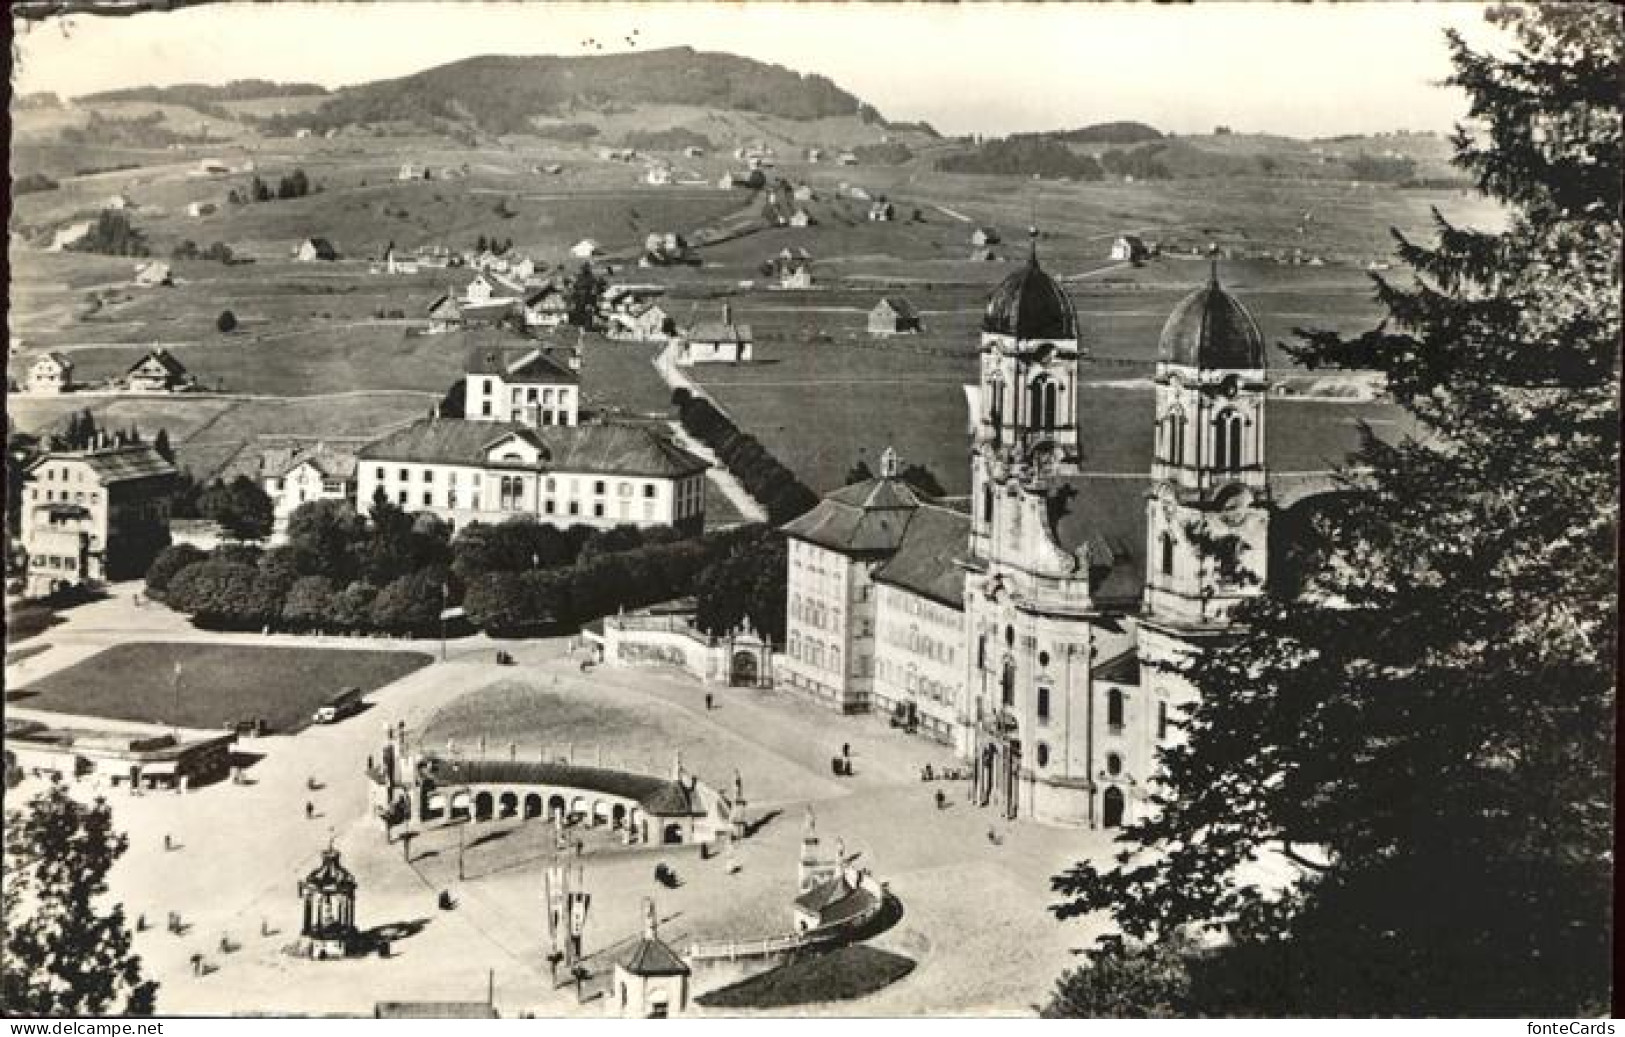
[846,750]
[708,702]
[169,844]
[310,810]
[942,799]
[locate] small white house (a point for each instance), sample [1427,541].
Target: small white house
[313,249]
[717,342]
[150,275]
[199,209]
[50,373]
[586,248]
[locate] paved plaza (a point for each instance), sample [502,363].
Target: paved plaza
[973,911]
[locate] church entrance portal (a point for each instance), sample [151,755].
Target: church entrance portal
[1112,809]
[743,672]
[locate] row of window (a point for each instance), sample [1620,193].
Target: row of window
[77,496]
[1228,431]
[925,609]
[68,475]
[815,653]
[916,643]
[815,613]
[66,563]
[600,487]
[917,683]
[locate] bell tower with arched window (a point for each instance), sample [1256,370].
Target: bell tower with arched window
[1206,523]
[1024,415]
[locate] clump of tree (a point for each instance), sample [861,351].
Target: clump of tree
[240,507]
[218,252]
[113,234]
[294,185]
[1024,155]
[569,132]
[1142,163]
[583,297]
[1381,168]
[66,952]
[1420,723]
[886,153]
[746,583]
[226,323]
[676,138]
[763,476]
[29,183]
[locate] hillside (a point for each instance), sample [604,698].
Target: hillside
[504,95]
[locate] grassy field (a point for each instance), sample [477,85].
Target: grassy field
[848,972]
[219,684]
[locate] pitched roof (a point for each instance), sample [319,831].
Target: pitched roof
[518,364]
[661,797]
[651,957]
[332,462]
[869,517]
[165,359]
[716,331]
[1120,669]
[116,464]
[59,359]
[926,562]
[610,449]
[898,305]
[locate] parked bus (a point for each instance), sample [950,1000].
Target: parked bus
[338,707]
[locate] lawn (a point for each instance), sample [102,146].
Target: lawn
[219,684]
[851,971]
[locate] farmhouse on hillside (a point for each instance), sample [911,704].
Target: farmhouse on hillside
[1129,247]
[882,211]
[658,176]
[984,236]
[118,201]
[444,315]
[894,315]
[641,322]
[546,307]
[793,269]
[196,209]
[716,342]
[149,275]
[50,373]
[313,249]
[158,371]
[586,248]
[800,218]
[490,286]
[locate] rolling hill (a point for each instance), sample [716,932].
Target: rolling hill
[505,95]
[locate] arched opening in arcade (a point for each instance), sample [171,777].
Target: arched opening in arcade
[744,670]
[482,806]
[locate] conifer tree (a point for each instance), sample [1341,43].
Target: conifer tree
[1420,724]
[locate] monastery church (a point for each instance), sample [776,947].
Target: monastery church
[1034,633]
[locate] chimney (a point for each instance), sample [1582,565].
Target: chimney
[651,921]
[727,314]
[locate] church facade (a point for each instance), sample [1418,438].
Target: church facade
[1035,634]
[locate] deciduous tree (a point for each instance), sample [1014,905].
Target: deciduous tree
[66,953]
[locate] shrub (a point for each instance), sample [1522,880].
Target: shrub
[226,323]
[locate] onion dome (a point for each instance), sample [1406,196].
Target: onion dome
[1030,304]
[330,876]
[1209,329]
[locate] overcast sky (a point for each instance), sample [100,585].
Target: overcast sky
[1299,69]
